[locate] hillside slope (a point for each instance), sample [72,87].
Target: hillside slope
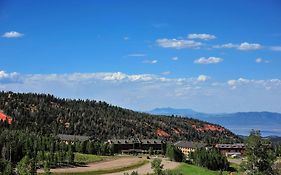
[241,122]
[47,114]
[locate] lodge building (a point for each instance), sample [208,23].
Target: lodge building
[236,149]
[137,145]
[187,147]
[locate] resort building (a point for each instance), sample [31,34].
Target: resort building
[137,145]
[236,149]
[186,146]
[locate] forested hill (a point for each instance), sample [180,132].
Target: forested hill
[47,114]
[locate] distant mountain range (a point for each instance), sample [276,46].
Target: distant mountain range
[269,123]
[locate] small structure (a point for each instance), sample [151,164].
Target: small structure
[70,139]
[186,146]
[137,145]
[234,150]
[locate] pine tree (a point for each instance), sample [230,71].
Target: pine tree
[260,155]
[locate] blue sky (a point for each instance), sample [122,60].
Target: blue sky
[212,56]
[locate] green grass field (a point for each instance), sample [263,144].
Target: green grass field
[89,158]
[187,169]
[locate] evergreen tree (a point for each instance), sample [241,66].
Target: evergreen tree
[260,155]
[24,167]
[157,167]
[173,153]
[47,168]
[70,155]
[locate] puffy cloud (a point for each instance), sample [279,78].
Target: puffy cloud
[210,60]
[12,34]
[243,46]
[201,36]
[249,46]
[202,78]
[261,60]
[175,58]
[4,75]
[178,44]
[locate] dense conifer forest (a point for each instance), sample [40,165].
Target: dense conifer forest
[46,114]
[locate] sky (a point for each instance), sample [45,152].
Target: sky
[209,55]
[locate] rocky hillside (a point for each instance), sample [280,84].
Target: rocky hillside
[47,114]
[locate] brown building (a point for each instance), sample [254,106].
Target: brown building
[236,149]
[137,145]
[186,147]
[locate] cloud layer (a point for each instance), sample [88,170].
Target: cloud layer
[147,91]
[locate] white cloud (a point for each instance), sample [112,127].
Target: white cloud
[146,91]
[258,60]
[261,60]
[150,61]
[166,73]
[136,55]
[243,46]
[201,36]
[12,34]
[276,48]
[4,75]
[249,46]
[266,84]
[175,58]
[178,44]
[210,60]
[202,78]
[228,46]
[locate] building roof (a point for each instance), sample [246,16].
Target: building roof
[230,146]
[131,141]
[66,137]
[188,144]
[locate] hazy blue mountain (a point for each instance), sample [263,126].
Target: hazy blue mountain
[241,122]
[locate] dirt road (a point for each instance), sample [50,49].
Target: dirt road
[115,163]
[147,168]
[108,164]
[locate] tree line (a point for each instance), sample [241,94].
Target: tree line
[28,151]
